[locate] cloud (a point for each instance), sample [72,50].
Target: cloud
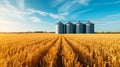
[115,2]
[105,3]
[78,14]
[21,3]
[56,2]
[33,11]
[66,6]
[64,13]
[35,19]
[72,3]
[109,19]
[12,25]
[115,15]
[9,11]
[43,13]
[57,16]
[84,2]
[114,22]
[22,14]
[13,18]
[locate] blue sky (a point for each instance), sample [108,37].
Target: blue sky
[42,15]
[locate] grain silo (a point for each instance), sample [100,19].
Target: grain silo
[70,27]
[80,27]
[89,27]
[64,28]
[59,28]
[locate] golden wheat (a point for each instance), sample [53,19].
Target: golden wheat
[63,50]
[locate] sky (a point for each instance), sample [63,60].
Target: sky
[42,15]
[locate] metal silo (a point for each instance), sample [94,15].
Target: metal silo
[80,27]
[59,28]
[64,28]
[70,28]
[89,27]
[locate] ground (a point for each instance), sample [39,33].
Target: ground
[59,50]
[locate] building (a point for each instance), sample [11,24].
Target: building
[59,28]
[89,27]
[80,27]
[70,28]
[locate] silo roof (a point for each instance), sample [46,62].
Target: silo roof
[89,22]
[59,23]
[79,22]
[68,22]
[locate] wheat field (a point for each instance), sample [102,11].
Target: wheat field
[63,50]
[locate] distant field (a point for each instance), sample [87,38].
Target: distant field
[51,50]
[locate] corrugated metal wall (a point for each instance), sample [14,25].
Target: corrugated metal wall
[74,28]
[59,28]
[89,27]
[79,27]
[70,27]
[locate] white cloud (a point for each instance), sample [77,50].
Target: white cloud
[21,3]
[115,2]
[57,16]
[54,16]
[106,3]
[13,17]
[64,13]
[72,3]
[78,14]
[32,11]
[35,19]
[115,15]
[42,13]
[3,9]
[66,6]
[11,12]
[12,25]
[8,4]
[109,19]
[114,22]
[84,2]
[20,14]
[12,22]
[56,2]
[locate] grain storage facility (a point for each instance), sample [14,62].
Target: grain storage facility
[89,27]
[80,27]
[64,28]
[59,28]
[70,27]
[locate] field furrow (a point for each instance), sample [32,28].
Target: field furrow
[21,56]
[51,55]
[94,54]
[62,50]
[69,57]
[79,50]
[39,53]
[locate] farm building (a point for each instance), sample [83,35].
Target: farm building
[74,28]
[59,28]
[70,28]
[80,27]
[89,27]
